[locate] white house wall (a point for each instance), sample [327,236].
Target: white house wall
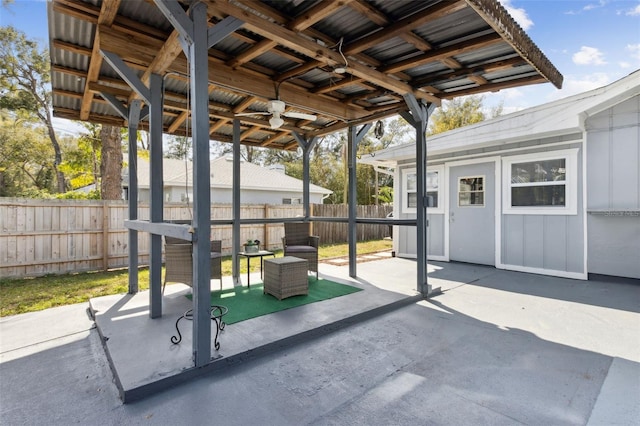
[613,190]
[551,244]
[546,243]
[404,237]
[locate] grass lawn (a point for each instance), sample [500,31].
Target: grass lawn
[18,296]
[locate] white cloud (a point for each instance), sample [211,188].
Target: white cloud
[578,84]
[519,14]
[592,6]
[634,12]
[624,65]
[634,50]
[588,56]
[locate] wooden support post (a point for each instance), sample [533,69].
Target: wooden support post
[105,235]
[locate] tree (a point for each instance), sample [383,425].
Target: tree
[24,86]
[179,148]
[458,112]
[111,163]
[328,163]
[82,157]
[25,159]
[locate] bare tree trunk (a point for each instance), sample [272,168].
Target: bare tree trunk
[61,184]
[111,164]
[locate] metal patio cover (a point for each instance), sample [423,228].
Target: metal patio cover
[348,62]
[290,50]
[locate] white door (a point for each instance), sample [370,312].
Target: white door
[472,213]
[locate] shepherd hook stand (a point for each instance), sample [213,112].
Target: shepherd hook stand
[217,312]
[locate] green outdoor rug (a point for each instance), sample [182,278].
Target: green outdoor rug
[245,303]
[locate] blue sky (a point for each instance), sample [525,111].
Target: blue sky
[592,43]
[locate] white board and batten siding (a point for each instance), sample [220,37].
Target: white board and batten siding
[613,190]
[527,241]
[593,229]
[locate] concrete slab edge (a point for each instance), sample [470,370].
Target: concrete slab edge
[103,341]
[223,363]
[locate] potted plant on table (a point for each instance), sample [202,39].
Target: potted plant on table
[252,246]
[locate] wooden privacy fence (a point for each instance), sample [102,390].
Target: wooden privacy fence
[332,232]
[39,237]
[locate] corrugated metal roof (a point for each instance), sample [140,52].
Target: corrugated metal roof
[432,48]
[555,118]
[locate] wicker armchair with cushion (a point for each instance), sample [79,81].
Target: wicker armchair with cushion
[298,242]
[178,256]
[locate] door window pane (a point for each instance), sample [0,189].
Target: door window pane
[471,191]
[412,200]
[411,182]
[432,189]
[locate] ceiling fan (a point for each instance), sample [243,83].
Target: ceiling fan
[276,109]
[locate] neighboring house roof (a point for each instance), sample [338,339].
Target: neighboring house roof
[252,176]
[561,117]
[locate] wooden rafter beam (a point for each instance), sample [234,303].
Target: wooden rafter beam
[342,83]
[470,72]
[240,80]
[274,138]
[311,49]
[407,24]
[108,12]
[494,87]
[217,125]
[249,132]
[445,52]
[316,13]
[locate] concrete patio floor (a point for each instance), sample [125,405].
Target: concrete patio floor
[144,359]
[496,347]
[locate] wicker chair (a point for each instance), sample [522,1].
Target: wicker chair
[179,261]
[298,242]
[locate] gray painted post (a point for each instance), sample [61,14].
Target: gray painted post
[306,145]
[235,227]
[156,204]
[353,139]
[420,116]
[201,187]
[352,148]
[134,119]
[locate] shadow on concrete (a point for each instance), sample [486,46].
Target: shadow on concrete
[427,362]
[608,292]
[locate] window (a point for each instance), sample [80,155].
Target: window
[471,191]
[411,188]
[433,185]
[410,199]
[291,201]
[543,183]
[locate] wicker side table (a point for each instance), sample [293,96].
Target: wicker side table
[285,277]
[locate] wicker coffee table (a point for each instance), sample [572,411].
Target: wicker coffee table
[285,277]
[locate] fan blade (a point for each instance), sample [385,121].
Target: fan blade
[245,114]
[300,115]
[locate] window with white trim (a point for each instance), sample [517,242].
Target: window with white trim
[410,193]
[542,183]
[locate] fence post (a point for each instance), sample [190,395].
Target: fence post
[266,227]
[105,235]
